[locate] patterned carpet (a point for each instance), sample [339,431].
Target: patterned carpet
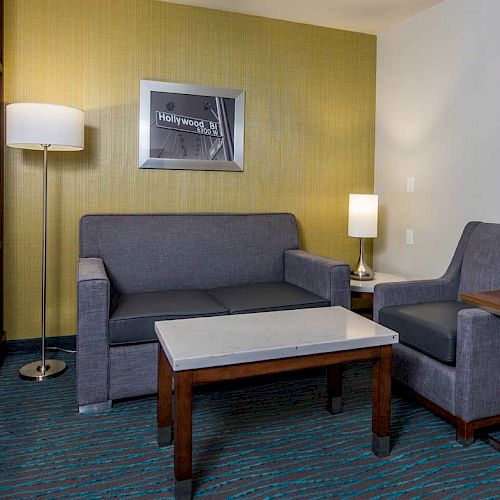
[252,439]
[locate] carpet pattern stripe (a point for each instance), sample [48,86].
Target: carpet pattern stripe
[259,438]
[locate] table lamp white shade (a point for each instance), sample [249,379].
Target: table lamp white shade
[33,125]
[363,215]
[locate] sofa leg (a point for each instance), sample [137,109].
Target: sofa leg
[95,407]
[465,433]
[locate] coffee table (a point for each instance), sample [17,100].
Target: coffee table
[212,349]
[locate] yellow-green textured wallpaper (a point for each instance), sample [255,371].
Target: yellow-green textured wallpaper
[309,129]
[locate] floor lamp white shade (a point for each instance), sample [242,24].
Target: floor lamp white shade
[33,125]
[363,222]
[44,127]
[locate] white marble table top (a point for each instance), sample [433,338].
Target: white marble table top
[369,286]
[244,338]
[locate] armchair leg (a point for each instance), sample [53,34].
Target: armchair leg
[465,432]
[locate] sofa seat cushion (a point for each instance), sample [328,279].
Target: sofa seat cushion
[263,297]
[133,319]
[430,328]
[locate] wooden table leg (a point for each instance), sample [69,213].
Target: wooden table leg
[164,406]
[183,434]
[381,403]
[334,388]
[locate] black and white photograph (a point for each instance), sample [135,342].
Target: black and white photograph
[191,127]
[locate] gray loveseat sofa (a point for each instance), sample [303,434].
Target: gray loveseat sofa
[138,269]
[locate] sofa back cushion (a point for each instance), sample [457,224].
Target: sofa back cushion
[157,252]
[481,262]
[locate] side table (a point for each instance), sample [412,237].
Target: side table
[489,301]
[362,292]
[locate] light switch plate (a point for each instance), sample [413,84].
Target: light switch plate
[410,184]
[409,236]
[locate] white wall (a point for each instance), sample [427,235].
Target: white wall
[438,120]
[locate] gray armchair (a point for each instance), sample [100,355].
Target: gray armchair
[449,351]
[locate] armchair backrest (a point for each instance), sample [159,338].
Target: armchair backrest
[480,268]
[153,252]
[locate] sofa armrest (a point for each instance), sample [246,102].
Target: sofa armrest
[477,386]
[90,269]
[412,292]
[93,295]
[327,278]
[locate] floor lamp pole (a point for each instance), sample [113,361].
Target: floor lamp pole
[44,255]
[45,368]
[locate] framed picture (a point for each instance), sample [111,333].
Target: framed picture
[190,127]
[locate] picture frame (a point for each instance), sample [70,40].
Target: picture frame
[190,127]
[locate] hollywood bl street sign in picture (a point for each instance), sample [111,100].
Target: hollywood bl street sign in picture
[187,124]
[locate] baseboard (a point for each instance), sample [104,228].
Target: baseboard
[3,347]
[28,346]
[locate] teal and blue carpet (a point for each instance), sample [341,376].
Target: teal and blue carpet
[253,439]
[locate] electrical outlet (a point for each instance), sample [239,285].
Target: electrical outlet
[410,184]
[409,236]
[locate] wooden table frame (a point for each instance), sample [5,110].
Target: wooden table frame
[176,423]
[490,301]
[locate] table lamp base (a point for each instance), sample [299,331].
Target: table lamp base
[362,271]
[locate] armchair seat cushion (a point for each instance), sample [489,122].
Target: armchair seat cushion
[262,297]
[133,319]
[430,328]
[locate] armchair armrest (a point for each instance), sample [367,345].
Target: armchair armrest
[93,296]
[327,278]
[413,292]
[477,386]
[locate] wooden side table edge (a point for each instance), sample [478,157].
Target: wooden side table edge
[490,300]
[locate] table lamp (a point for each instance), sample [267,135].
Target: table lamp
[363,218]
[45,127]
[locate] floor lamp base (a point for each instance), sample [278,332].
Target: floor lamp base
[33,371]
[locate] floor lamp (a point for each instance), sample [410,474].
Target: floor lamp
[45,127]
